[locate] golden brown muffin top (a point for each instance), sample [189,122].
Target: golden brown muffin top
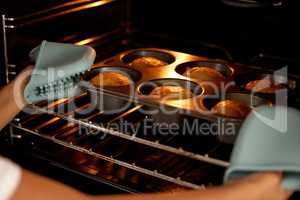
[204,74]
[171,92]
[231,108]
[110,79]
[264,86]
[147,62]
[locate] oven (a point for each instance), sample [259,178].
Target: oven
[78,149]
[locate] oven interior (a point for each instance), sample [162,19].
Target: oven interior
[76,152]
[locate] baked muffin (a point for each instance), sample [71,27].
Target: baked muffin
[264,86]
[171,92]
[147,62]
[110,79]
[231,108]
[204,74]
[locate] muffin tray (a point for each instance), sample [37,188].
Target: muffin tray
[206,93]
[145,78]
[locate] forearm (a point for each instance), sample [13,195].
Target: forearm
[209,194]
[36,187]
[11,102]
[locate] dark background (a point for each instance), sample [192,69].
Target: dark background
[244,32]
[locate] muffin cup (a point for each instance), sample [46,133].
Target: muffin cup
[160,55]
[243,79]
[222,68]
[222,124]
[111,99]
[173,115]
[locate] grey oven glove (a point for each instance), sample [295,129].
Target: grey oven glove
[57,70]
[269,140]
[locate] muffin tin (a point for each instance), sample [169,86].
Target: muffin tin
[178,63]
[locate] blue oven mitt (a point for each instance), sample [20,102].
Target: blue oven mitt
[269,140]
[57,70]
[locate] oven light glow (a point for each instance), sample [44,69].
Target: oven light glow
[85,41]
[98,3]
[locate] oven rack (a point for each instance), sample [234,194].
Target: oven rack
[131,166]
[133,138]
